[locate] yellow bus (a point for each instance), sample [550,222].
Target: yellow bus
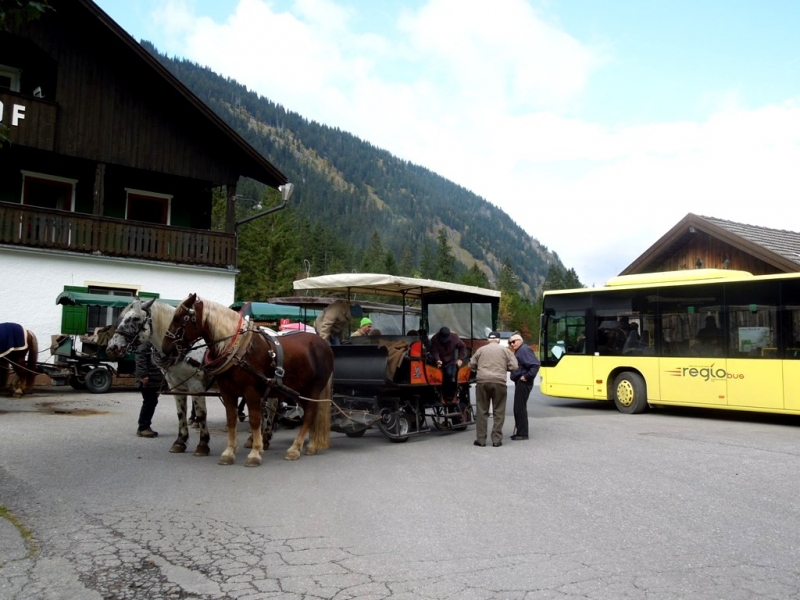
[707,337]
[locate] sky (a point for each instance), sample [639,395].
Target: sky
[596,126]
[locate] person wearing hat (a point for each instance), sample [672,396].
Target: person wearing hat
[492,363]
[522,376]
[448,353]
[364,328]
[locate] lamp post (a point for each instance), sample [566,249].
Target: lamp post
[286,193]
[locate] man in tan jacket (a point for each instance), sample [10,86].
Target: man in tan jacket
[331,322]
[492,363]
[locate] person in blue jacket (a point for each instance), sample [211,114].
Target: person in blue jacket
[523,378]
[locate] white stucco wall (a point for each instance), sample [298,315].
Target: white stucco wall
[30,281]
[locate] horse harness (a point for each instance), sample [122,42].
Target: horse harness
[236,352]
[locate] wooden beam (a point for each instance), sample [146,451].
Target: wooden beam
[99,189]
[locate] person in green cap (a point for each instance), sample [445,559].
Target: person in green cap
[366,327]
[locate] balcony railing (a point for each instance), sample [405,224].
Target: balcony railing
[58,230]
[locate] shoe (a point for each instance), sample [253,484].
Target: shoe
[519,437]
[477,443]
[147,433]
[496,444]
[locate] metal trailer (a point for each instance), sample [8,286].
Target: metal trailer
[387,381]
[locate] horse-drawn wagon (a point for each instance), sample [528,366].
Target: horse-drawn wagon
[387,380]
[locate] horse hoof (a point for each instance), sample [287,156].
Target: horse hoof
[253,462]
[226,460]
[249,443]
[311,451]
[177,448]
[202,451]
[292,455]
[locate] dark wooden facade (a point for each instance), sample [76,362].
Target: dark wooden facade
[704,242]
[102,114]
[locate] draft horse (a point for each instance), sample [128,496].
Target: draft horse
[143,321]
[248,362]
[19,352]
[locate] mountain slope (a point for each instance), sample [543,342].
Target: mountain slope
[355,188]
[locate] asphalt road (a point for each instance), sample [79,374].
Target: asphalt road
[672,504]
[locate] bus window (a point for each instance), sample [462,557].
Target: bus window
[683,314]
[753,320]
[564,334]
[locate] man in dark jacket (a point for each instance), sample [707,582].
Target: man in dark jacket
[448,352]
[148,380]
[523,378]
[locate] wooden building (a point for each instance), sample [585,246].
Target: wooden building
[698,242]
[107,175]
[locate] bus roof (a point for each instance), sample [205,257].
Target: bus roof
[667,278]
[387,285]
[684,276]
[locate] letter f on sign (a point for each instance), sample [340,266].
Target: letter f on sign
[17,114]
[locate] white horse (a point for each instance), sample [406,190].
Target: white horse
[148,321]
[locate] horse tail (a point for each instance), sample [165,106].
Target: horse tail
[33,359]
[321,431]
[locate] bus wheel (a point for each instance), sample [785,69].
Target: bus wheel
[630,393]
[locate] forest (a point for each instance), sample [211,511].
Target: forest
[358,208]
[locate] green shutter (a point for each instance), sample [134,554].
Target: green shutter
[73,318]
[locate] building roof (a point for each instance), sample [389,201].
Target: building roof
[250,162]
[776,247]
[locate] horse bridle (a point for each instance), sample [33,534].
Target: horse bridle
[178,339]
[133,337]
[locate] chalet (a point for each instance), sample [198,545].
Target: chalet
[108,172]
[698,242]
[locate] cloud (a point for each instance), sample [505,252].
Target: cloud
[489,96]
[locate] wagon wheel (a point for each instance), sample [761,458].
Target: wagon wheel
[98,380]
[395,426]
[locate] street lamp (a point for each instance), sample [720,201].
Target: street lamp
[286,193]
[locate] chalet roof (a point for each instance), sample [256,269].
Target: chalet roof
[251,163]
[776,247]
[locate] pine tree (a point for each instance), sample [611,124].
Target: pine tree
[427,263]
[475,277]
[374,255]
[445,261]
[406,267]
[390,264]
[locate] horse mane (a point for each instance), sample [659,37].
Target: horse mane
[220,322]
[161,314]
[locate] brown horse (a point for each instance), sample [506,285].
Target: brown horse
[19,351]
[250,363]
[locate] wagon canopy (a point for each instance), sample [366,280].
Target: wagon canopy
[388,285]
[468,310]
[103,300]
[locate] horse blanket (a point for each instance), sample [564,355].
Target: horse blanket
[12,338]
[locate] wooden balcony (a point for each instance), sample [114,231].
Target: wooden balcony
[87,234]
